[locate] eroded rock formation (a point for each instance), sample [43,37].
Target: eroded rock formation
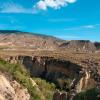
[53,70]
[12,90]
[69,76]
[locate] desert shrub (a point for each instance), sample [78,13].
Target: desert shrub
[63,84]
[45,87]
[90,94]
[20,74]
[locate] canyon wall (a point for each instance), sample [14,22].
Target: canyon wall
[65,74]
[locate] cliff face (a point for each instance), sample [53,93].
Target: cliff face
[46,66]
[12,90]
[64,74]
[71,77]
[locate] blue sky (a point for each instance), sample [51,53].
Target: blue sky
[66,19]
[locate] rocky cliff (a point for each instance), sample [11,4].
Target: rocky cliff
[11,89]
[47,67]
[67,75]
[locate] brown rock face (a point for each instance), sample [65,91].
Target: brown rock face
[53,70]
[61,72]
[56,70]
[67,75]
[11,90]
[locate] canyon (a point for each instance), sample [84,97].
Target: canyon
[73,66]
[68,75]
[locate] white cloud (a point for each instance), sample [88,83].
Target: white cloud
[55,4]
[14,8]
[41,5]
[92,26]
[89,26]
[83,27]
[69,37]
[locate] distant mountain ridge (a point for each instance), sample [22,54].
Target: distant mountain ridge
[26,40]
[34,66]
[22,32]
[80,45]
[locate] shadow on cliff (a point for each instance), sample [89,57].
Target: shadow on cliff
[58,71]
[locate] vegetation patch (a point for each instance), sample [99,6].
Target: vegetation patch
[42,91]
[90,94]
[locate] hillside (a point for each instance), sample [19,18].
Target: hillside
[11,39]
[17,39]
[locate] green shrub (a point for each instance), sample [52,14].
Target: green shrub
[90,94]
[45,87]
[20,74]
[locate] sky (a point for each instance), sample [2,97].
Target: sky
[65,19]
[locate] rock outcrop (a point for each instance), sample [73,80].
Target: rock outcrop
[12,90]
[58,71]
[49,68]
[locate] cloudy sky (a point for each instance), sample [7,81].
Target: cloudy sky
[66,19]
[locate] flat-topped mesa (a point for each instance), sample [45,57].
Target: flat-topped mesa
[97,44]
[79,45]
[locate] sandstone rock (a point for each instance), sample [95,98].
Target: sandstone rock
[6,90]
[12,90]
[20,93]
